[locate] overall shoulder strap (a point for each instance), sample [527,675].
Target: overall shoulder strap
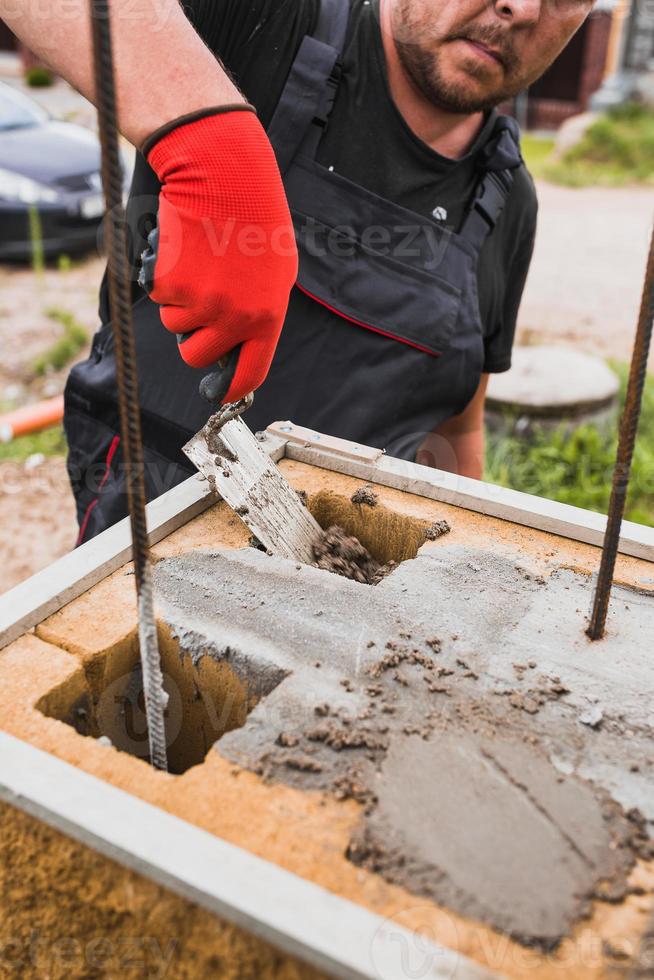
[332,23]
[311,86]
[499,159]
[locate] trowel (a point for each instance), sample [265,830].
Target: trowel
[227,453]
[231,458]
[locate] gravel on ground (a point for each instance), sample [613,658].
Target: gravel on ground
[586,278]
[37,517]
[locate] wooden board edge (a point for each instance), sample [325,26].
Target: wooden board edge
[575,523]
[30,602]
[305,920]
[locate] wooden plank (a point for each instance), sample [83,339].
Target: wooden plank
[299,435]
[238,467]
[299,918]
[575,523]
[30,602]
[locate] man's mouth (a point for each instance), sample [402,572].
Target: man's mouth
[485,51]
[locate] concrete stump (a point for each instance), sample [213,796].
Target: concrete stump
[549,386]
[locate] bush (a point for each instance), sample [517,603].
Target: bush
[38,77]
[577,467]
[622,140]
[617,149]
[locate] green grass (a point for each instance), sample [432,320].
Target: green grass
[36,239]
[66,347]
[618,149]
[50,442]
[577,467]
[536,150]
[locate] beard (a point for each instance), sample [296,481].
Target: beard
[422,64]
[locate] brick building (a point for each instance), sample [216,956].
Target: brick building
[566,88]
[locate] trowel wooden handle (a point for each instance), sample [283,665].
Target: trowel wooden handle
[215,385]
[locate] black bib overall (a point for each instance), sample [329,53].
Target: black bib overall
[403,286]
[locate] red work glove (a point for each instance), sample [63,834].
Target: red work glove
[224,258]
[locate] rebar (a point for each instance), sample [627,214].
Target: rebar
[626,445]
[118,274]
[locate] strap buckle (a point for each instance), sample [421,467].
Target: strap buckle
[491,196]
[329,95]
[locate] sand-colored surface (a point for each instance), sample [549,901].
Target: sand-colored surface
[305,832]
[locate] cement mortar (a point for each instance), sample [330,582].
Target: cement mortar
[489,825]
[461,665]
[336,551]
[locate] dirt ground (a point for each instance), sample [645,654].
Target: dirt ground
[587,273]
[583,290]
[37,514]
[38,518]
[26,328]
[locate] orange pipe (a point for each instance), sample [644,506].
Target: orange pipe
[31,418]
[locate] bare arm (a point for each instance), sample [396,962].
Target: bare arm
[458,444]
[163,68]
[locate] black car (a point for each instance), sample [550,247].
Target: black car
[47,167]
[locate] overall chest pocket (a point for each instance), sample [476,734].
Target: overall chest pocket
[381,266]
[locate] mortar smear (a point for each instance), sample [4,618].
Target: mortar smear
[365,495]
[490,827]
[432,707]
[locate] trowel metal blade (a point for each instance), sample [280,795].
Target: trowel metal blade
[247,479]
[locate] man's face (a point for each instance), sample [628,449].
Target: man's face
[470,55]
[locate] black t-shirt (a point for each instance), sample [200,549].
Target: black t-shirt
[369,142]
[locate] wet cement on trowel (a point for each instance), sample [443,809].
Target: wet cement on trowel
[504,763]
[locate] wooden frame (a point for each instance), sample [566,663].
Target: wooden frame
[29,603]
[303,919]
[526,509]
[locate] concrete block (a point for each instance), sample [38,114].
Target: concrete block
[553,383]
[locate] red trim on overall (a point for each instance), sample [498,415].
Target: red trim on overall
[367,326]
[115,442]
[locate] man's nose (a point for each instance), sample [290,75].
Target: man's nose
[520,13]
